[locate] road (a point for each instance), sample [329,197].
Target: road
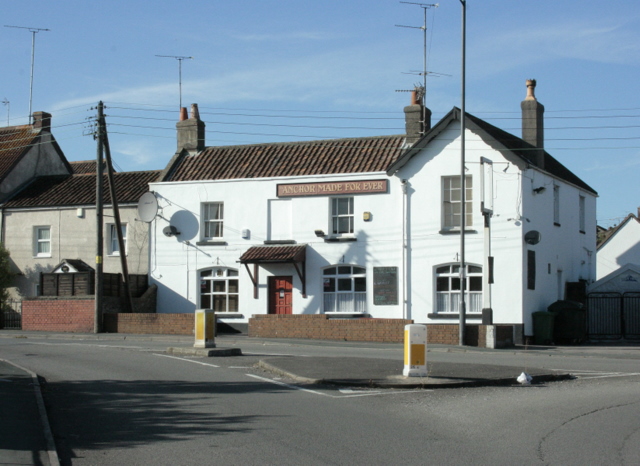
[126,402]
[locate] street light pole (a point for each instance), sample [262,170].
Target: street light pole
[463,213]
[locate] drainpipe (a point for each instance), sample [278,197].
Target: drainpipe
[405,271]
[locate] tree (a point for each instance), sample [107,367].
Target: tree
[6,277]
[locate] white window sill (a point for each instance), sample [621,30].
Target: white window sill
[229,315]
[340,238]
[212,242]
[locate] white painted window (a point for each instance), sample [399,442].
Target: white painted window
[452,202]
[42,241]
[581,207]
[219,289]
[448,288]
[345,289]
[213,219]
[342,215]
[280,219]
[556,205]
[113,244]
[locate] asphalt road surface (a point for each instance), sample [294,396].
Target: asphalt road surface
[127,403]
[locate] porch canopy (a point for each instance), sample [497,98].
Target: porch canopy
[277,254]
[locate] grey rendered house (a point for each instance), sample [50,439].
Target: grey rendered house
[54,219]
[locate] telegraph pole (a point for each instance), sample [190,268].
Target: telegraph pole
[33,52]
[97,325]
[116,216]
[180,59]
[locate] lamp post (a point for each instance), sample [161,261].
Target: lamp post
[463,213]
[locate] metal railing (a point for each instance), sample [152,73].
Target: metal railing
[11,315]
[613,316]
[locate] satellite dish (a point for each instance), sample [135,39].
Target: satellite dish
[147,207]
[532,237]
[170,231]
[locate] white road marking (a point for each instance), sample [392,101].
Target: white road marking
[600,375]
[346,393]
[186,360]
[139,348]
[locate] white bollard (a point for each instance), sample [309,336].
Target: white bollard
[415,351]
[205,328]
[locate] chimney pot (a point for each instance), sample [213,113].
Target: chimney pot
[183,113]
[531,87]
[195,114]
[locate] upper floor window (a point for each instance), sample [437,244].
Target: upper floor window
[114,245]
[219,289]
[556,205]
[448,288]
[342,215]
[345,289]
[42,241]
[213,218]
[452,202]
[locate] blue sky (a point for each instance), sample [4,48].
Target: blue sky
[268,71]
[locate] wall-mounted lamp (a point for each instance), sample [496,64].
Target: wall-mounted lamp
[319,233]
[539,190]
[366,216]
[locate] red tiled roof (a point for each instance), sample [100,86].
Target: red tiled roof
[335,156]
[71,190]
[274,254]
[83,166]
[14,142]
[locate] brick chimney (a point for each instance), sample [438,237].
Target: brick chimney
[533,122]
[417,117]
[190,131]
[42,121]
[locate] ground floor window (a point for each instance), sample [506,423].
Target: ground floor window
[448,288]
[219,289]
[345,289]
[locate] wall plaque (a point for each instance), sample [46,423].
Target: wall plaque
[333,188]
[385,286]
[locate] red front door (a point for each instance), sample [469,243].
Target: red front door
[280,294]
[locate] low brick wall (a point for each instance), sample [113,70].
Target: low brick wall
[52,314]
[159,324]
[320,326]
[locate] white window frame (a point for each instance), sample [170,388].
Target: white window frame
[113,245]
[219,289]
[37,241]
[452,202]
[212,228]
[340,216]
[447,288]
[344,289]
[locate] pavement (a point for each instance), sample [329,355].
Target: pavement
[26,438]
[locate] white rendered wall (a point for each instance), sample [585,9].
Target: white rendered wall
[176,261]
[621,249]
